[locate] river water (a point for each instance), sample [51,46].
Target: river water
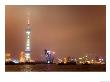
[55,68]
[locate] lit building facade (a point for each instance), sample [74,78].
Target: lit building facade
[8,57]
[28,44]
[49,56]
[22,57]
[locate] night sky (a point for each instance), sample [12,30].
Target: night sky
[68,30]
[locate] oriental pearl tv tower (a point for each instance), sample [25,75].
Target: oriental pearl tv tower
[27,42]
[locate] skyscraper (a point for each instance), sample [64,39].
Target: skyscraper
[8,57]
[49,57]
[28,44]
[22,57]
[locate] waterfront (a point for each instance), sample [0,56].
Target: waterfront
[55,68]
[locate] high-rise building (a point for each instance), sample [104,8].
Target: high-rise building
[49,57]
[28,44]
[8,57]
[22,57]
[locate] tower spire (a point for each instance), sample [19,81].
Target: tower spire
[28,21]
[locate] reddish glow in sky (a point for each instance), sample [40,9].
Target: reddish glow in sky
[68,30]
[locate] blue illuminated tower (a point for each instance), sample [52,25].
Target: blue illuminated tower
[49,56]
[28,44]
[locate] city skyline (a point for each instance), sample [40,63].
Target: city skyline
[67,30]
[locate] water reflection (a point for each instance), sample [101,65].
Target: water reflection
[54,67]
[26,68]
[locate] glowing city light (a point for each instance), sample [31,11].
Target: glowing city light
[28,44]
[28,48]
[15,61]
[27,57]
[48,62]
[60,60]
[88,62]
[49,52]
[28,32]
[22,57]
[8,57]
[80,62]
[80,58]
[28,37]
[53,52]
[92,60]
[99,59]
[72,59]
[65,60]
[75,59]
[27,54]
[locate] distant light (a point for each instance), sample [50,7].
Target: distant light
[65,60]
[27,54]
[92,60]
[75,59]
[28,48]
[28,37]
[48,62]
[80,62]
[8,54]
[102,59]
[60,60]
[72,59]
[49,52]
[15,61]
[53,52]
[27,44]
[80,58]
[28,32]
[32,60]
[28,41]
[7,60]
[86,56]
[22,52]
[99,59]
[88,61]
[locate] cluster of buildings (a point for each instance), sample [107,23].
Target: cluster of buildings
[22,57]
[82,60]
[89,60]
[49,56]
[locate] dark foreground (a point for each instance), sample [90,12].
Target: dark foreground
[55,68]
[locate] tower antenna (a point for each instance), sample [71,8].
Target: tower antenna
[28,17]
[28,20]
